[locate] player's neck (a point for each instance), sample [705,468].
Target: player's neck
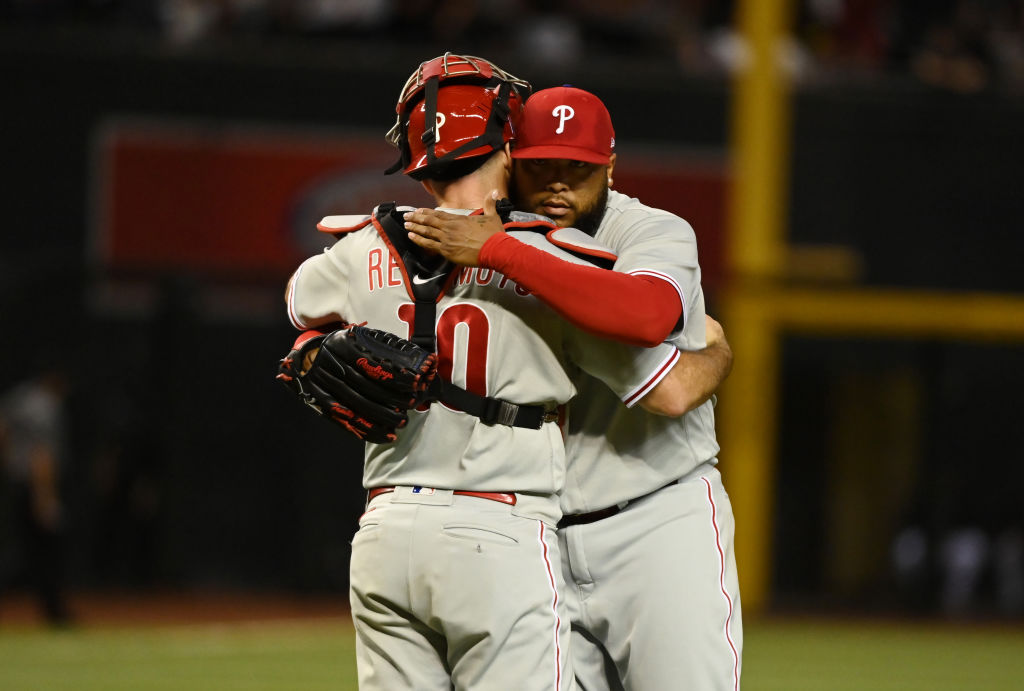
[470,192]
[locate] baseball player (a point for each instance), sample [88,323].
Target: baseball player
[33,445]
[647,535]
[454,574]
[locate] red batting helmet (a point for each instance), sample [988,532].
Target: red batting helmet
[451,108]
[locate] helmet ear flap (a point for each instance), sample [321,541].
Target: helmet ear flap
[404,156]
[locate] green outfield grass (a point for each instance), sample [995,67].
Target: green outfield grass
[251,657]
[780,655]
[824,655]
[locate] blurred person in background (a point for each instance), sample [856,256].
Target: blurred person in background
[33,446]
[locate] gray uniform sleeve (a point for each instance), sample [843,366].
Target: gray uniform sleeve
[654,242]
[318,290]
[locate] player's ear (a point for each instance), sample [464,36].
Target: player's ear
[428,187]
[611,169]
[507,162]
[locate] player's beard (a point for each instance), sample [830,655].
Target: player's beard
[589,218]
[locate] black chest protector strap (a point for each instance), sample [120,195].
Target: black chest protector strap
[428,275]
[492,411]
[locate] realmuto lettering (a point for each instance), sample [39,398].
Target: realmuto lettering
[382,270]
[563,112]
[485,277]
[375,371]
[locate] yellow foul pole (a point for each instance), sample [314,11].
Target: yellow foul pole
[760,141]
[756,255]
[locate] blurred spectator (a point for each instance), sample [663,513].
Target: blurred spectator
[187,21]
[547,37]
[33,432]
[640,29]
[964,46]
[843,36]
[325,17]
[951,49]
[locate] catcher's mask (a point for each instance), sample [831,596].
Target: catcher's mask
[452,108]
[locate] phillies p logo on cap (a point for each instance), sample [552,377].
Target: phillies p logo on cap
[563,113]
[565,122]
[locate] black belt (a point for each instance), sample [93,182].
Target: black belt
[590,517]
[578,518]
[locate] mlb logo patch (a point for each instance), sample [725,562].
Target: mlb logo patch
[422,490]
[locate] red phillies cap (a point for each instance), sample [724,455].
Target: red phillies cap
[565,122]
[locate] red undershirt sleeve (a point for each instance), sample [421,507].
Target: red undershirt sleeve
[637,310]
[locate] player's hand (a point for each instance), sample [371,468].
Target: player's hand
[458,238]
[713,331]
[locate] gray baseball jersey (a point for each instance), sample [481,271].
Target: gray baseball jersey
[654,586]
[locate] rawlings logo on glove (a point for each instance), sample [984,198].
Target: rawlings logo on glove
[364,380]
[375,371]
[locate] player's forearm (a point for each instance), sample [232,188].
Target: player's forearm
[691,382]
[636,310]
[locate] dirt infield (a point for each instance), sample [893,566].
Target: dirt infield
[185,607]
